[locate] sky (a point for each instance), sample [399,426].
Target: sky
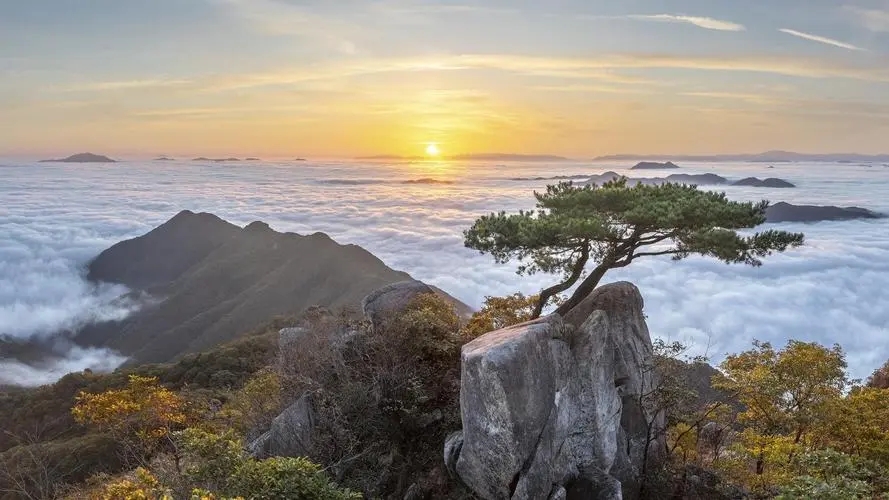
[322,78]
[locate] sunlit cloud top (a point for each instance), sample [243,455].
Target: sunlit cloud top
[280,78]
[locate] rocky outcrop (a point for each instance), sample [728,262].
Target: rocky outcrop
[785,212]
[382,304]
[290,434]
[551,408]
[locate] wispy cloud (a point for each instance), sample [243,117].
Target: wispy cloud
[592,89]
[414,12]
[821,39]
[735,96]
[872,19]
[605,73]
[127,85]
[275,17]
[701,22]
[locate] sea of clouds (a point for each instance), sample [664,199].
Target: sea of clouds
[54,218]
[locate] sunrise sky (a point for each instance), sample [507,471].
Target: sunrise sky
[278,78]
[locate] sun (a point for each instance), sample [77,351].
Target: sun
[432,149]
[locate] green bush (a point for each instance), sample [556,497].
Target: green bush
[286,479]
[831,475]
[217,463]
[212,458]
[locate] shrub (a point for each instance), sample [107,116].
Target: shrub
[501,312]
[831,475]
[141,415]
[39,470]
[212,458]
[253,407]
[286,479]
[218,464]
[386,398]
[142,486]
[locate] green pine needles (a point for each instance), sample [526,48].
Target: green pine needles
[614,224]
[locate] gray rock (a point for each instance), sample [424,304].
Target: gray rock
[557,402]
[291,432]
[259,447]
[452,447]
[414,492]
[558,493]
[290,336]
[382,304]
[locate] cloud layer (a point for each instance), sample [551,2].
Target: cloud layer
[57,217]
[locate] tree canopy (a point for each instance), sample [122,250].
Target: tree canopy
[614,224]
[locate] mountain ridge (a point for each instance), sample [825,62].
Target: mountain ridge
[211,280]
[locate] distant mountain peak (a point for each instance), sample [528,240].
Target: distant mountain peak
[213,281]
[83,158]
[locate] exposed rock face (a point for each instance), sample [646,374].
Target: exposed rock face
[553,405]
[290,434]
[785,212]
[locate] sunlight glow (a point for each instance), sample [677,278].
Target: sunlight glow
[432,149]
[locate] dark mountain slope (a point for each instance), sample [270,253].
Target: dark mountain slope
[211,281]
[163,254]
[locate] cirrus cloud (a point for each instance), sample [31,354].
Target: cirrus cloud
[821,39]
[701,22]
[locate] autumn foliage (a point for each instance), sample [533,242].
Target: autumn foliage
[143,414]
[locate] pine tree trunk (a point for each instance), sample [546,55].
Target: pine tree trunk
[586,287]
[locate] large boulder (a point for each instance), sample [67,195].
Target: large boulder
[290,434]
[555,405]
[383,303]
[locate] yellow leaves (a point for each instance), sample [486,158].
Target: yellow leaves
[785,391]
[200,494]
[858,424]
[144,486]
[501,312]
[255,404]
[143,409]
